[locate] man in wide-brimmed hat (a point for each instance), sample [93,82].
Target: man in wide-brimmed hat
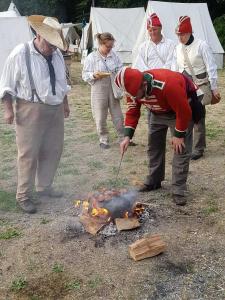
[35,76]
[165,93]
[157,51]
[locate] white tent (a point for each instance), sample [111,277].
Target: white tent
[124,24]
[13,31]
[170,12]
[69,32]
[12,7]
[84,38]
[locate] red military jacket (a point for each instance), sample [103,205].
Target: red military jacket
[169,93]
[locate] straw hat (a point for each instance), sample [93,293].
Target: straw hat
[50,29]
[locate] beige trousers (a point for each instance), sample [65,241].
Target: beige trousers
[102,101]
[39,137]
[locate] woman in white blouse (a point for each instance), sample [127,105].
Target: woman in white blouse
[96,67]
[195,59]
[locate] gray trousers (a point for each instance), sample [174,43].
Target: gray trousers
[39,137]
[199,138]
[158,127]
[102,102]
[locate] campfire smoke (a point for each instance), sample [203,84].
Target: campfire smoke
[111,204]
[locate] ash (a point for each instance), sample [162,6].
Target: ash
[147,215]
[109,230]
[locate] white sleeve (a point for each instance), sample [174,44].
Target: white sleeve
[210,64]
[88,69]
[11,74]
[170,59]
[139,63]
[119,63]
[174,64]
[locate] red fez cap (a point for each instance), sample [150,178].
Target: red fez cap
[184,25]
[129,80]
[153,21]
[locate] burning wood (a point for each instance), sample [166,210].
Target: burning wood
[110,205]
[147,247]
[92,225]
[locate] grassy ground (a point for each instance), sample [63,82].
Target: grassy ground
[36,263]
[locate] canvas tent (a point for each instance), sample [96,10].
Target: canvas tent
[13,31]
[124,24]
[84,38]
[69,32]
[170,12]
[12,7]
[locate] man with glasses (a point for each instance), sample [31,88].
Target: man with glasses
[34,77]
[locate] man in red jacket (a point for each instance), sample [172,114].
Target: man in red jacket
[165,94]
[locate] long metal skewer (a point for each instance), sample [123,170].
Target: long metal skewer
[119,165]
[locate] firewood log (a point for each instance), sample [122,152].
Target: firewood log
[147,247]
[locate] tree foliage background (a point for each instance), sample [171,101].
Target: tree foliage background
[76,10]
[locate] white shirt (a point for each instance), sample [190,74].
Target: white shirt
[155,56]
[95,62]
[15,80]
[201,59]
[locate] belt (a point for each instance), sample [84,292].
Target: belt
[199,76]
[43,103]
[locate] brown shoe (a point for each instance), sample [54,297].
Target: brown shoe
[150,187]
[27,206]
[50,193]
[179,200]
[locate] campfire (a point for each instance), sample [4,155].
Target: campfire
[105,206]
[119,208]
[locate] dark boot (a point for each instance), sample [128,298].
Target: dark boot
[27,206]
[179,200]
[150,187]
[195,156]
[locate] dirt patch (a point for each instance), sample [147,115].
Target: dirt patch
[48,256]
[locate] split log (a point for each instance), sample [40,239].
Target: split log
[147,247]
[126,223]
[91,224]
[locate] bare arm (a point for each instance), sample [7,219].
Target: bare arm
[8,109]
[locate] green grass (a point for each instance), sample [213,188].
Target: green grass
[94,283]
[211,208]
[111,183]
[74,285]
[7,137]
[18,284]
[57,268]
[9,233]
[8,201]
[45,221]
[95,165]
[4,222]
[212,131]
[91,137]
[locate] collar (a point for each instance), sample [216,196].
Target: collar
[104,57]
[162,40]
[35,51]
